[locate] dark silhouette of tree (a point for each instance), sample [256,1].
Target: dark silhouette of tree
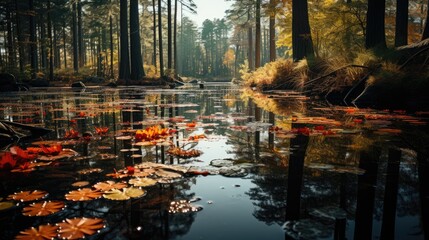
[33,41]
[302,44]
[124,61]
[401,30]
[375,36]
[75,39]
[137,71]
[426,29]
[258,34]
[272,23]
[160,50]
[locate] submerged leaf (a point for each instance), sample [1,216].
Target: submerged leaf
[124,194]
[142,182]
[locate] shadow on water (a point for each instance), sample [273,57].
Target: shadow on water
[297,169]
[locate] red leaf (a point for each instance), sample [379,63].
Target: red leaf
[7,161]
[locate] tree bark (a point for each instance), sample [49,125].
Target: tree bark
[80,35]
[302,45]
[111,46]
[75,39]
[169,38]
[124,61]
[272,34]
[137,71]
[401,30]
[175,40]
[51,45]
[258,34]
[154,35]
[250,43]
[426,29]
[375,36]
[161,54]
[33,42]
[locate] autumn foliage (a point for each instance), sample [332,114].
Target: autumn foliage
[151,133]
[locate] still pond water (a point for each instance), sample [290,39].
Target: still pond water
[285,167]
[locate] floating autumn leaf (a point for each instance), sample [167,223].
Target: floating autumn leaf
[191,124]
[26,196]
[197,137]
[71,134]
[80,184]
[51,150]
[65,153]
[124,194]
[22,154]
[43,208]
[151,133]
[78,228]
[43,232]
[108,185]
[7,161]
[25,167]
[176,151]
[102,131]
[142,182]
[167,174]
[84,194]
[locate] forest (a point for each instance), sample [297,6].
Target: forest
[340,42]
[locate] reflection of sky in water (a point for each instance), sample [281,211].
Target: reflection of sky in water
[230,213]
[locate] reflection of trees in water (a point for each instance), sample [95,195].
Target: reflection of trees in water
[269,197]
[324,188]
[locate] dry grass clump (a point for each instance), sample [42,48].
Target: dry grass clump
[284,74]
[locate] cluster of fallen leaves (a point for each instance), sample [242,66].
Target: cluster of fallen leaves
[74,228]
[152,133]
[101,131]
[23,160]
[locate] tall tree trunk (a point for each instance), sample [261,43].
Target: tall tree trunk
[33,41]
[20,38]
[80,34]
[10,45]
[43,47]
[250,43]
[175,40]
[137,71]
[75,40]
[154,34]
[51,45]
[426,29]
[401,30]
[302,45]
[124,61]
[375,36]
[161,52]
[57,62]
[64,44]
[258,34]
[111,46]
[169,38]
